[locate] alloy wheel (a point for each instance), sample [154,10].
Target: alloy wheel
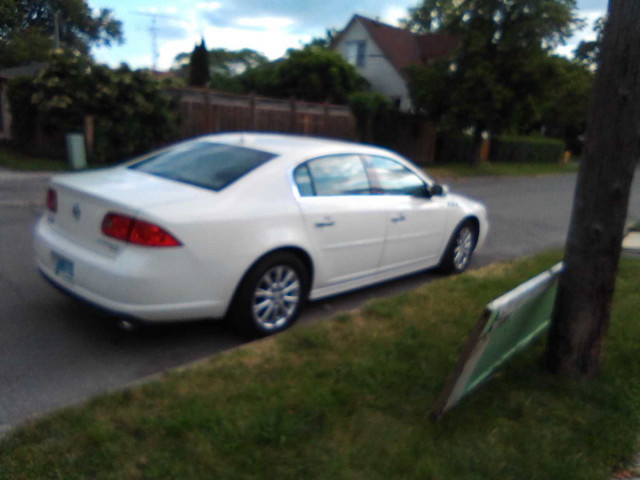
[464,248]
[276,297]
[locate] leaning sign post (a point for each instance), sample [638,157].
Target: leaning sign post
[507,325]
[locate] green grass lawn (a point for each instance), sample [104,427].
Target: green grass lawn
[349,398]
[18,161]
[456,170]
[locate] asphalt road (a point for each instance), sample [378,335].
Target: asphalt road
[56,352]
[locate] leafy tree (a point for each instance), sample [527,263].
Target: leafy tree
[223,61]
[130,112]
[589,51]
[370,110]
[495,78]
[313,73]
[564,103]
[224,67]
[28,28]
[199,66]
[326,41]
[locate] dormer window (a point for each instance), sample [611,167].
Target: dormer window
[355,52]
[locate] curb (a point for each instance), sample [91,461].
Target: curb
[631,244]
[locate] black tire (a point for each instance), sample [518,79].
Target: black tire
[280,284]
[459,251]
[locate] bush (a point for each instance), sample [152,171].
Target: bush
[505,149]
[371,111]
[131,115]
[23,126]
[454,149]
[526,150]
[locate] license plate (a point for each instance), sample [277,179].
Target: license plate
[63,267]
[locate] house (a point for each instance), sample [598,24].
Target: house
[30,70]
[381,52]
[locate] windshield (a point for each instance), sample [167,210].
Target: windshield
[205,164]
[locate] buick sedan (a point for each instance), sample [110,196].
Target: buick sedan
[248,226]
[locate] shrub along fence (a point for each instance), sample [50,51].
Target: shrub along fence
[504,149]
[526,149]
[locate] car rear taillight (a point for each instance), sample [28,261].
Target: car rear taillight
[52,200]
[137,232]
[117,226]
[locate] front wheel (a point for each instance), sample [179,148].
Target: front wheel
[460,249]
[271,295]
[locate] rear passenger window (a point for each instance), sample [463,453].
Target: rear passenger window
[303,180]
[337,175]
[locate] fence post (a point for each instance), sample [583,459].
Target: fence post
[292,115]
[325,118]
[252,111]
[207,113]
[485,149]
[89,134]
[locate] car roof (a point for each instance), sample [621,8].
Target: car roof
[283,144]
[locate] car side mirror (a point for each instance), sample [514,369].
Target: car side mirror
[438,190]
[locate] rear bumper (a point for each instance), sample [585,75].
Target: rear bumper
[147,285]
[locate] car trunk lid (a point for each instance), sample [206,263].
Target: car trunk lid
[83,200]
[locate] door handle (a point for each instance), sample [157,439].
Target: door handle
[329,223]
[399,218]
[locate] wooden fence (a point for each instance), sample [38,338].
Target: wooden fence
[205,111]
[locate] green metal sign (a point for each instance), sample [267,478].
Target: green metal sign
[507,325]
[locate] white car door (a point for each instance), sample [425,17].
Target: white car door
[346,224]
[415,221]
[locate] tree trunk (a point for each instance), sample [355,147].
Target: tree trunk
[592,252]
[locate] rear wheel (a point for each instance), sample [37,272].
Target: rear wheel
[271,294]
[457,257]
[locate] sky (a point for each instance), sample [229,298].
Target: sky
[267,26]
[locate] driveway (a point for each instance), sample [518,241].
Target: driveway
[55,352]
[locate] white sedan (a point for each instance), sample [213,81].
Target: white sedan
[250,226]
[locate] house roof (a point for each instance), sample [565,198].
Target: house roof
[403,47]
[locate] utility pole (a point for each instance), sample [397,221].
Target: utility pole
[592,252]
[153,30]
[154,44]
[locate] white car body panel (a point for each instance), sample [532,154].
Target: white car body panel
[224,233]
[347,234]
[415,231]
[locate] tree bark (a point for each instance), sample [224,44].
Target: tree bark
[583,304]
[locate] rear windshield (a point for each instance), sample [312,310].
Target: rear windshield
[208,165]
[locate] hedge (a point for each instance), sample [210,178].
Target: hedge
[504,149]
[526,150]
[454,149]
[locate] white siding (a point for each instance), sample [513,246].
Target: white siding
[382,76]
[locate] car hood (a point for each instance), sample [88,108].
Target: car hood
[130,188]
[465,203]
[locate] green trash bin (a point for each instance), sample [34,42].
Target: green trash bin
[75,151]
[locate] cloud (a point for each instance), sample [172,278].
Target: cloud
[171,31]
[392,14]
[208,6]
[584,34]
[308,17]
[265,23]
